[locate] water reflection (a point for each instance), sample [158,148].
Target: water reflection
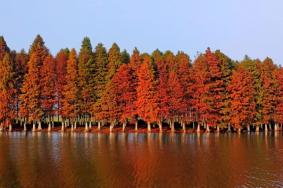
[142,160]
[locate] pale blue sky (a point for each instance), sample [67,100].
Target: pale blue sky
[237,27]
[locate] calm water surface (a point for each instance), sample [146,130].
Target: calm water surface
[140,160]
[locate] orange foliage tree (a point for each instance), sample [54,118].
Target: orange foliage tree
[48,92]
[7,92]
[3,47]
[70,91]
[86,71]
[269,89]
[134,64]
[278,114]
[31,94]
[112,87]
[20,67]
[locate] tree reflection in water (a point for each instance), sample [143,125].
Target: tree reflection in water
[141,160]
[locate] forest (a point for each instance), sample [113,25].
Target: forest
[96,88]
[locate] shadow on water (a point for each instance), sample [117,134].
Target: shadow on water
[141,160]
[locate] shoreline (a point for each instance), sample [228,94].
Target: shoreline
[106,130]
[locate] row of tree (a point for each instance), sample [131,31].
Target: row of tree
[100,87]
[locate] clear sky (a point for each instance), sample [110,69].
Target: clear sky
[236,27]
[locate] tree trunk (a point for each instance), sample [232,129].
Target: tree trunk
[79,120]
[160,126]
[229,128]
[63,126]
[136,126]
[217,129]
[198,128]
[239,130]
[148,127]
[99,125]
[249,128]
[10,127]
[257,129]
[72,127]
[25,126]
[86,127]
[49,127]
[112,126]
[276,127]
[124,126]
[39,126]
[172,127]
[33,126]
[184,127]
[75,125]
[207,129]
[53,123]
[265,128]
[90,125]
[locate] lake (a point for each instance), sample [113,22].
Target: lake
[140,160]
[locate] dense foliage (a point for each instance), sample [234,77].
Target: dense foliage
[101,87]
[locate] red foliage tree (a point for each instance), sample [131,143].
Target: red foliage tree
[61,71]
[184,74]
[134,64]
[126,89]
[146,103]
[242,98]
[216,89]
[118,101]
[162,89]
[111,106]
[200,89]
[177,105]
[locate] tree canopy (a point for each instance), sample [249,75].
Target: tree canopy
[111,86]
